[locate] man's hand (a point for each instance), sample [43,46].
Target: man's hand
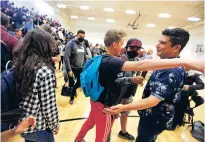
[137,79]
[114,109]
[22,127]
[186,87]
[193,64]
[70,73]
[56,131]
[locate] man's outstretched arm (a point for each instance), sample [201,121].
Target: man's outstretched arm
[157,64]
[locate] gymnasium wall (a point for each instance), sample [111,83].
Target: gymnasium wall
[96,34]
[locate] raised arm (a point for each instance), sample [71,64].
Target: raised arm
[157,64]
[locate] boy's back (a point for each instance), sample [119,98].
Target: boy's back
[109,71]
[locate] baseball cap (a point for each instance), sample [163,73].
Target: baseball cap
[133,42]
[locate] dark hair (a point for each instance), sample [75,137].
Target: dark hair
[80,32]
[17,30]
[177,36]
[4,20]
[46,27]
[32,54]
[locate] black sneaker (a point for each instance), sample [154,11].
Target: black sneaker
[71,102]
[126,136]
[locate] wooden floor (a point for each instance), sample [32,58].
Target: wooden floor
[81,107]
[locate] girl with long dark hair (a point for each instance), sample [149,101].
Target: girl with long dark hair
[35,85]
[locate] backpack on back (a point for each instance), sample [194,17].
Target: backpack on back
[10,113]
[89,78]
[6,57]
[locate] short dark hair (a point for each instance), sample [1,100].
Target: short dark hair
[4,20]
[80,32]
[178,36]
[46,28]
[17,30]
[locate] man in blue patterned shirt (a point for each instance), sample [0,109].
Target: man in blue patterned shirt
[157,108]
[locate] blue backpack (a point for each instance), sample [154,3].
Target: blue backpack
[89,78]
[10,113]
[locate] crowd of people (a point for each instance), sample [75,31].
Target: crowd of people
[36,42]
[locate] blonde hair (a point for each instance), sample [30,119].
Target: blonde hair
[113,36]
[150,51]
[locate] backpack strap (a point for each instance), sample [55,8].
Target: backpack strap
[72,44]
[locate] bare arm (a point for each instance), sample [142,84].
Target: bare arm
[22,127]
[149,102]
[130,80]
[195,64]
[157,64]
[8,135]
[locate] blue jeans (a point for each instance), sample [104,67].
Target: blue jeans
[147,133]
[39,136]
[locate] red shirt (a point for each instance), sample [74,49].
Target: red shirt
[10,40]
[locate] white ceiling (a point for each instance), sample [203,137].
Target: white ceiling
[179,11]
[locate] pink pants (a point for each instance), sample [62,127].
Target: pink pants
[102,121]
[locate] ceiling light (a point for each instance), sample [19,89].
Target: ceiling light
[195,19]
[91,18]
[151,25]
[61,5]
[164,15]
[74,17]
[109,9]
[130,12]
[84,7]
[170,27]
[110,20]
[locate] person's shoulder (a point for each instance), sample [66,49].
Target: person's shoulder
[177,70]
[69,42]
[12,37]
[177,73]
[109,58]
[44,71]
[171,70]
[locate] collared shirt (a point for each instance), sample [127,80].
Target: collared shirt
[42,101]
[10,40]
[166,85]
